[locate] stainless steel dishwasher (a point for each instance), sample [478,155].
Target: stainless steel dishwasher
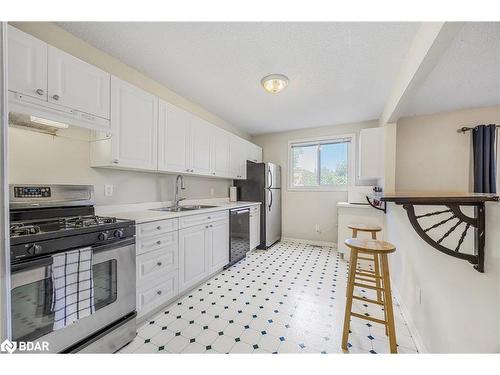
[239,239]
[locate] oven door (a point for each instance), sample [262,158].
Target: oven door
[113,268]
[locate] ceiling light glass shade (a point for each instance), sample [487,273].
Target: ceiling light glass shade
[274,83]
[43,121]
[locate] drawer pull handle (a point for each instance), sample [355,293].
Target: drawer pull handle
[158,227]
[158,242]
[159,264]
[158,292]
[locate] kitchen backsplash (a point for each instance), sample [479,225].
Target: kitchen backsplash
[64,159]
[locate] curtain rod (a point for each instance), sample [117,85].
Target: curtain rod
[466,129]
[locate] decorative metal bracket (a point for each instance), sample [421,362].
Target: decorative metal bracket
[452,214]
[377,203]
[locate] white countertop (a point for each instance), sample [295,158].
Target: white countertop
[353,205]
[142,212]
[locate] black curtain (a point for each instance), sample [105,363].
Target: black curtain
[483,138]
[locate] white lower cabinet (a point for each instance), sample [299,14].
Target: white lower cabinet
[175,255]
[156,292]
[254,227]
[219,245]
[193,256]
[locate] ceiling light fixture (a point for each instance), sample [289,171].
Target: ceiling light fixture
[44,121]
[274,83]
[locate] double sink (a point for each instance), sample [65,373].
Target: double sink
[182,208]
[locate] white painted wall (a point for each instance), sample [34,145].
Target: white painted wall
[301,211]
[460,308]
[45,159]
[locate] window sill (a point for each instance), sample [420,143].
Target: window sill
[320,190]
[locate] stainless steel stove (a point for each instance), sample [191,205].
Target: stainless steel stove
[53,220]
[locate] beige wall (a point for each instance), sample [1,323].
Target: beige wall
[432,155]
[41,158]
[460,308]
[60,38]
[301,211]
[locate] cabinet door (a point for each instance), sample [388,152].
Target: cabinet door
[237,158]
[134,121]
[27,64]
[174,134]
[371,153]
[254,153]
[220,153]
[219,245]
[201,133]
[193,256]
[78,85]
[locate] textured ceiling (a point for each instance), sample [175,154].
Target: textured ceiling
[339,72]
[466,76]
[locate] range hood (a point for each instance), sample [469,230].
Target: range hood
[35,123]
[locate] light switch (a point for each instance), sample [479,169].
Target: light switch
[108,190]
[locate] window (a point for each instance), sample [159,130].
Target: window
[320,164]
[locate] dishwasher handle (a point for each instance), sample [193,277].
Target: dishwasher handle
[240,212]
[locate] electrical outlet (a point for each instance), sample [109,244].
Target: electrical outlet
[108,190]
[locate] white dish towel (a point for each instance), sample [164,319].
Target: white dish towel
[73,286]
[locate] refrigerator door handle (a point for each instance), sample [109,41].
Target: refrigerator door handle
[271,200]
[270,174]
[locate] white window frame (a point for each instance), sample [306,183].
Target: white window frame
[351,162]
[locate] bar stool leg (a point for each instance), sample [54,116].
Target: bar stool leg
[389,313]
[349,293]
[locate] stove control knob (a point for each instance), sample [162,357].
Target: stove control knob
[118,233]
[103,236]
[34,249]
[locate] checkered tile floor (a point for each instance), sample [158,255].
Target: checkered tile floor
[287,299]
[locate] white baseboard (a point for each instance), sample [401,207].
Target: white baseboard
[411,326]
[310,242]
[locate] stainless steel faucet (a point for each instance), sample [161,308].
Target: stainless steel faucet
[176,195]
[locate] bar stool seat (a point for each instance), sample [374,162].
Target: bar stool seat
[378,280]
[365,245]
[358,227]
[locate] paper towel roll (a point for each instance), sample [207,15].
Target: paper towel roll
[233,193]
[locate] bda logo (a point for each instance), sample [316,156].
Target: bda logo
[8,346]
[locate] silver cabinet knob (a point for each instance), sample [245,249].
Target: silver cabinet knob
[115,161]
[40,92]
[209,218]
[55,97]
[158,227]
[213,173]
[158,292]
[159,264]
[158,242]
[187,170]
[192,170]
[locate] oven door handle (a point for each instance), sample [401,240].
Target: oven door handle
[31,264]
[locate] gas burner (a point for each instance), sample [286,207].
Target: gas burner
[87,221]
[23,230]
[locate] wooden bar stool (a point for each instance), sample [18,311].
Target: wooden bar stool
[359,278]
[373,229]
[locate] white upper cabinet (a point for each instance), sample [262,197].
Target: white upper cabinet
[27,59]
[371,153]
[220,152]
[254,152]
[173,139]
[200,146]
[134,122]
[237,158]
[76,84]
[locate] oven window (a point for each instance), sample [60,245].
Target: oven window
[32,315]
[104,283]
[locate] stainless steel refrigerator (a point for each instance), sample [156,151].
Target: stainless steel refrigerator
[263,184]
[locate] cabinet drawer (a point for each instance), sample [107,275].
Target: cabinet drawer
[152,295]
[145,245]
[190,221]
[157,227]
[158,263]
